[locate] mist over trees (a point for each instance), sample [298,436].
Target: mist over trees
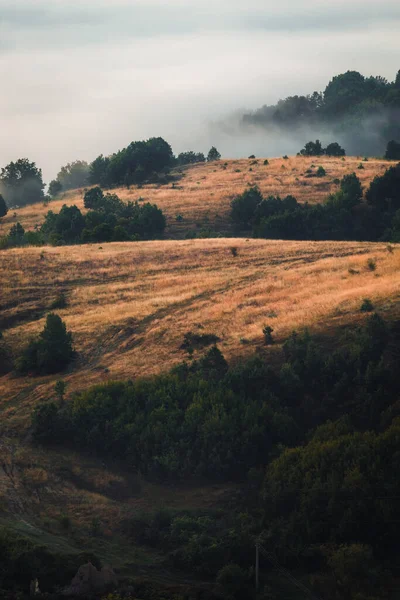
[21,183]
[362,112]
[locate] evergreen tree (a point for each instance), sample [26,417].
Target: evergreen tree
[3,207]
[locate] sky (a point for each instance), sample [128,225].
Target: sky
[81,78]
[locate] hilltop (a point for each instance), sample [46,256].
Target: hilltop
[197,202]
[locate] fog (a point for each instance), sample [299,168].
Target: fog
[80,79]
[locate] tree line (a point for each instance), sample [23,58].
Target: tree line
[343,216]
[361,110]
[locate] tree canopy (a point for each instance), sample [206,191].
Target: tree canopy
[22,183]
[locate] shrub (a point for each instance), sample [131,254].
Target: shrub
[360,167]
[266,162]
[371,264]
[234,251]
[52,352]
[251,156]
[285,157]
[267,332]
[367,305]
[321,172]
[193,340]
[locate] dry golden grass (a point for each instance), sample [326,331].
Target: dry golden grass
[203,194]
[129,304]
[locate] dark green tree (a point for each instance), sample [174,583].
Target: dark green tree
[16,235]
[3,207]
[213,155]
[243,207]
[55,187]
[312,149]
[52,352]
[393,151]
[22,183]
[74,175]
[93,198]
[334,149]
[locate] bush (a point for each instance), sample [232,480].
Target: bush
[320,172]
[371,264]
[267,332]
[367,305]
[266,162]
[52,352]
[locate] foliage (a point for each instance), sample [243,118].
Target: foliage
[352,106]
[133,164]
[3,207]
[312,149]
[320,172]
[73,175]
[317,439]
[21,561]
[334,149]
[109,219]
[243,207]
[213,154]
[267,333]
[51,352]
[393,151]
[22,183]
[190,158]
[367,305]
[55,187]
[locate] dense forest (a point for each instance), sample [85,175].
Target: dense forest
[312,443]
[362,112]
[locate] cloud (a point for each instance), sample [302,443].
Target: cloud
[84,78]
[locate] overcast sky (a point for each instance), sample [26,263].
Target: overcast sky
[80,78]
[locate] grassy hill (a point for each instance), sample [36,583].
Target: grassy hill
[202,193]
[129,305]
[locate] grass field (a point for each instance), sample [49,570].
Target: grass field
[203,193]
[130,304]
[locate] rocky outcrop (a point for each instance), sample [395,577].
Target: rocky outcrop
[88,580]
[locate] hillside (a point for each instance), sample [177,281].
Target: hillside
[130,304]
[202,193]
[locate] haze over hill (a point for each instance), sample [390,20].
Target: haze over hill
[81,77]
